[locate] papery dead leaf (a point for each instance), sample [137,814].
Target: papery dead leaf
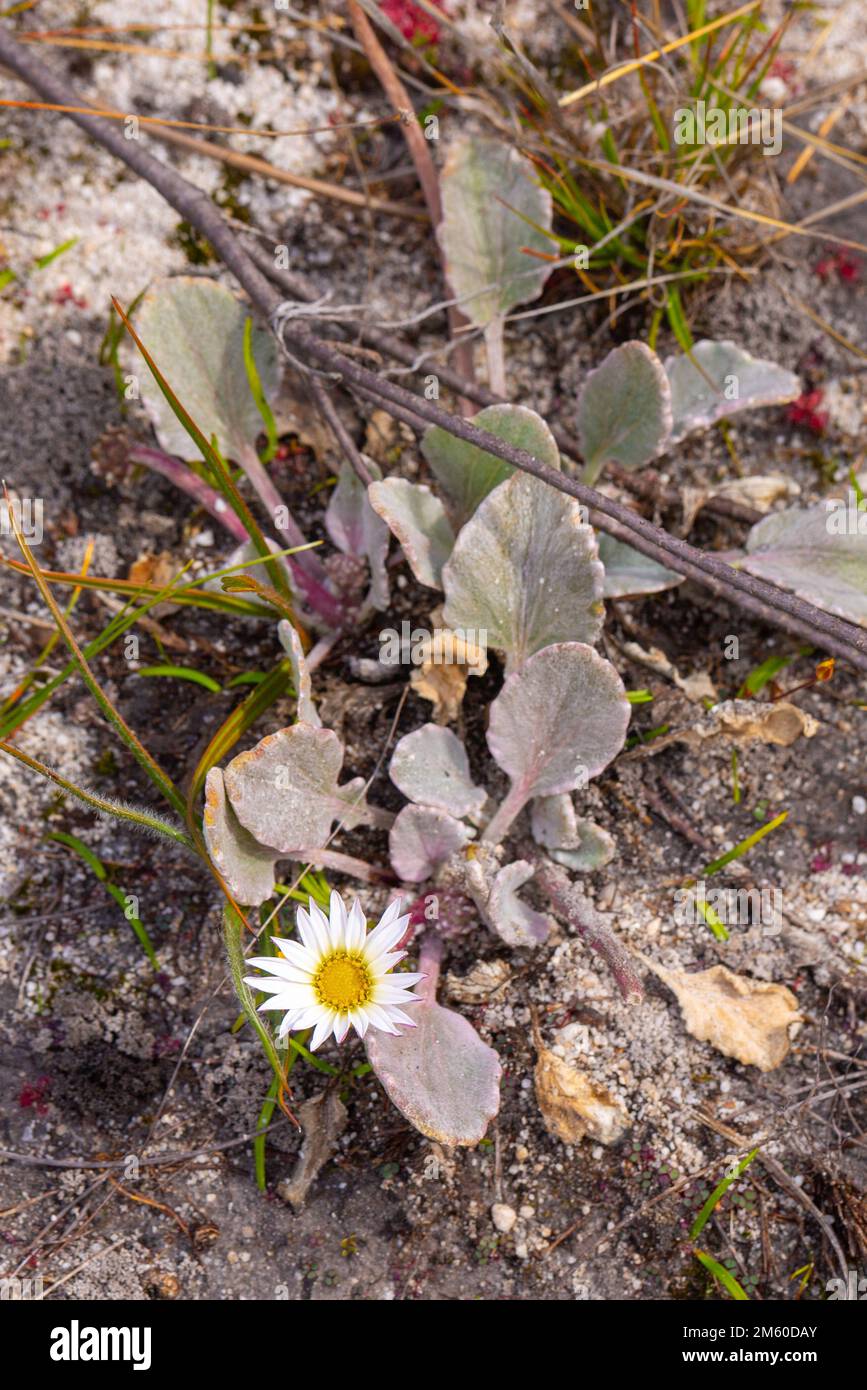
[323,1119]
[448,660]
[741,722]
[574,1107]
[750,1020]
[486,979]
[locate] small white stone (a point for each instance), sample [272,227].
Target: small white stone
[503,1217]
[527,1212]
[859,805]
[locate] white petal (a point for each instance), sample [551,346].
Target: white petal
[321,926]
[398,1016]
[308,1018]
[266,986]
[384,937]
[291,999]
[379,1018]
[391,912]
[298,954]
[356,928]
[341,1026]
[322,1029]
[360,1022]
[307,932]
[280,969]
[384,995]
[337,925]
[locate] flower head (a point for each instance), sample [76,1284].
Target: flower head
[338,974]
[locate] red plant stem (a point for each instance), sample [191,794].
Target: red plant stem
[430,957]
[189,482]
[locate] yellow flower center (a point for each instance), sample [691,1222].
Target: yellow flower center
[343,982]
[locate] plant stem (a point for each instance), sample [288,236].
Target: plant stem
[570,903]
[189,482]
[495,356]
[508,810]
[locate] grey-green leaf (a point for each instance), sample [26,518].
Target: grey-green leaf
[416,517]
[624,409]
[430,766]
[558,721]
[628,573]
[247,866]
[488,190]
[285,791]
[718,379]
[577,844]
[818,552]
[194,330]
[421,839]
[467,474]
[439,1074]
[525,571]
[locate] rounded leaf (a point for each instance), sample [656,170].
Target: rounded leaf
[624,409]
[440,1075]
[525,571]
[559,720]
[421,839]
[430,766]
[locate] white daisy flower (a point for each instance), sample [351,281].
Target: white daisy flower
[338,974]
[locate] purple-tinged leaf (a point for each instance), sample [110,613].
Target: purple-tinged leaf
[439,1074]
[421,839]
[556,723]
[430,766]
[356,529]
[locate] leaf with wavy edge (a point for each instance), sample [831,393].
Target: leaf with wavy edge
[702,381]
[525,571]
[467,473]
[488,190]
[291,644]
[285,792]
[195,329]
[577,844]
[421,839]
[557,722]
[820,553]
[624,409]
[247,867]
[417,518]
[430,766]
